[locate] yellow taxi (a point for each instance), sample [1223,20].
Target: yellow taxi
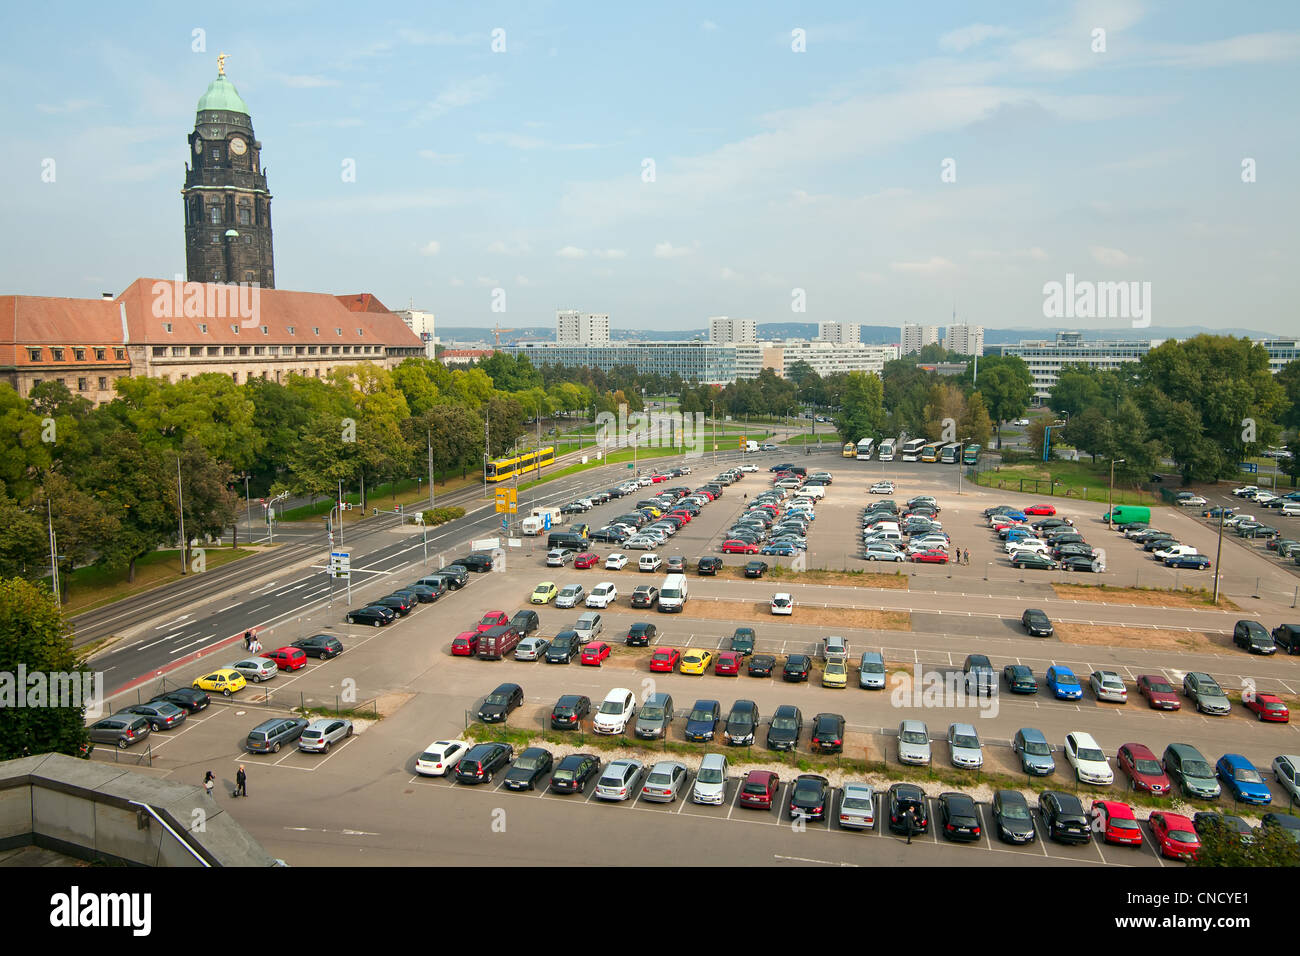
[543,593]
[836,674]
[224,681]
[695,661]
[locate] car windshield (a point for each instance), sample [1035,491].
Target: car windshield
[807,789]
[701,713]
[1067,680]
[528,763]
[784,723]
[1124,824]
[1091,753]
[710,775]
[966,740]
[1160,687]
[1148,767]
[652,713]
[873,667]
[660,779]
[1037,748]
[611,707]
[1015,811]
[496,699]
[914,737]
[1246,775]
[1196,768]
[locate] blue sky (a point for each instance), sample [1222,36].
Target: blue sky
[774,170]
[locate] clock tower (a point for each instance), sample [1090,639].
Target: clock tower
[227,203]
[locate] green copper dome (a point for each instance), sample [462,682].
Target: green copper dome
[222,95]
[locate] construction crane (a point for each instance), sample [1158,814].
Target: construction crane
[497,332]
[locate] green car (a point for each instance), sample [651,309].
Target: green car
[1032,559]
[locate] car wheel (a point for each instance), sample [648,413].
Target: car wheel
[327,746]
[257,678]
[349,733]
[226,692]
[378,623]
[121,744]
[276,748]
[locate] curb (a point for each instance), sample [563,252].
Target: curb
[181,662]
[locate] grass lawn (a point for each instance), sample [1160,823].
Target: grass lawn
[642,454]
[825,438]
[1073,479]
[88,588]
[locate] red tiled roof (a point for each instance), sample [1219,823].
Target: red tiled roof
[43,320]
[362,302]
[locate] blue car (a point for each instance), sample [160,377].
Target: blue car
[1198,562]
[1017,534]
[1242,779]
[702,723]
[1063,684]
[1015,515]
[783,550]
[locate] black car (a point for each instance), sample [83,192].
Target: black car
[401,603]
[572,773]
[457,575]
[1020,679]
[1159,544]
[828,733]
[189,698]
[497,705]
[1011,814]
[903,797]
[477,561]
[640,634]
[742,723]
[755,569]
[760,665]
[526,621]
[1036,623]
[783,731]
[708,565]
[742,640]
[1207,820]
[531,765]
[1032,559]
[423,593]
[959,816]
[569,711]
[482,762]
[1078,562]
[1252,636]
[439,584]
[797,667]
[324,646]
[1064,817]
[608,535]
[645,596]
[564,648]
[808,796]
[374,614]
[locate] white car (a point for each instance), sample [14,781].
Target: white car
[570,595]
[1089,762]
[882,551]
[1107,685]
[782,604]
[1175,551]
[614,712]
[749,467]
[1192,501]
[1245,490]
[1262,497]
[1026,544]
[440,757]
[932,540]
[711,780]
[1237,519]
[602,595]
[883,488]
[1022,421]
[616,561]
[650,562]
[858,806]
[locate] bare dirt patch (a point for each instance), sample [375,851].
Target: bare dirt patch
[803,614]
[1149,638]
[1149,597]
[856,579]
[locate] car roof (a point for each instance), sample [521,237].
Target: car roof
[617,693]
[1140,750]
[1084,739]
[666,766]
[913,724]
[713,760]
[960,728]
[1032,733]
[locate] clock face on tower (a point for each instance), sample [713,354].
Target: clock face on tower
[198,147]
[237,146]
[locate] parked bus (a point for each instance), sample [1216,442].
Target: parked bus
[850,450]
[865,448]
[950,454]
[912,449]
[887,449]
[505,468]
[930,452]
[972,455]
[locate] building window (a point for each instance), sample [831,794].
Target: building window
[245,218]
[259,350]
[235,329]
[99,355]
[214,350]
[178,351]
[360,333]
[291,330]
[167,326]
[214,214]
[234,377]
[216,275]
[57,354]
[81,384]
[103,383]
[338,331]
[228,350]
[248,241]
[216,240]
[266,330]
[61,381]
[119,354]
[196,350]
[35,382]
[203,327]
[216,155]
[79,354]
[315,330]
[33,355]
[184,377]
[243,350]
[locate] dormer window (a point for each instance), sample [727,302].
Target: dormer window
[167,326]
[338,331]
[203,328]
[291,330]
[235,329]
[266,330]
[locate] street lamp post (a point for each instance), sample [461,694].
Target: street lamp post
[1218,552]
[959,462]
[248,509]
[1110,494]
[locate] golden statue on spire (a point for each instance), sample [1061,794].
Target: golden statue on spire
[221,63]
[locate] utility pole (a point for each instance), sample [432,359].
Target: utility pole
[960,455]
[1218,552]
[248,509]
[429,439]
[180,501]
[1110,495]
[54,563]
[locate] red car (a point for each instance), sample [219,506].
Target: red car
[492,619]
[1159,692]
[684,515]
[736,546]
[1175,834]
[465,644]
[665,660]
[758,789]
[1040,510]
[728,663]
[1142,768]
[655,479]
[1115,823]
[1269,707]
[588,559]
[933,556]
[708,494]
[594,653]
[287,658]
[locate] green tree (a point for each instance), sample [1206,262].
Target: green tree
[26,454]
[862,413]
[210,506]
[976,422]
[34,634]
[1270,846]
[1077,387]
[24,542]
[1007,386]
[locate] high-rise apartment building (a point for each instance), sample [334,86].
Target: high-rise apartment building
[965,339]
[841,333]
[581,328]
[728,331]
[917,337]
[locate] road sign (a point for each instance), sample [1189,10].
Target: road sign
[505,522]
[546,522]
[507,502]
[341,565]
[1250,467]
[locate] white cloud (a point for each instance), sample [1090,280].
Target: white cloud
[964,38]
[609,253]
[431,248]
[462,94]
[985,255]
[487,283]
[523,281]
[932,266]
[1248,48]
[1104,255]
[729,275]
[571,252]
[499,247]
[456,283]
[666,250]
[708,26]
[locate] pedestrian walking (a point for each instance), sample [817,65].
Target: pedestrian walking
[209,781]
[911,824]
[248,640]
[966,558]
[241,783]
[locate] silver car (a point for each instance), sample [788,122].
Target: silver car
[964,748]
[571,595]
[858,807]
[618,782]
[319,735]
[1206,693]
[711,780]
[532,649]
[871,671]
[1107,685]
[664,782]
[914,743]
[255,669]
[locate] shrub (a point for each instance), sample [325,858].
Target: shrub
[442,515]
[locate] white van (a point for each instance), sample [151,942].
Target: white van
[751,446]
[813,491]
[531,526]
[650,562]
[673,593]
